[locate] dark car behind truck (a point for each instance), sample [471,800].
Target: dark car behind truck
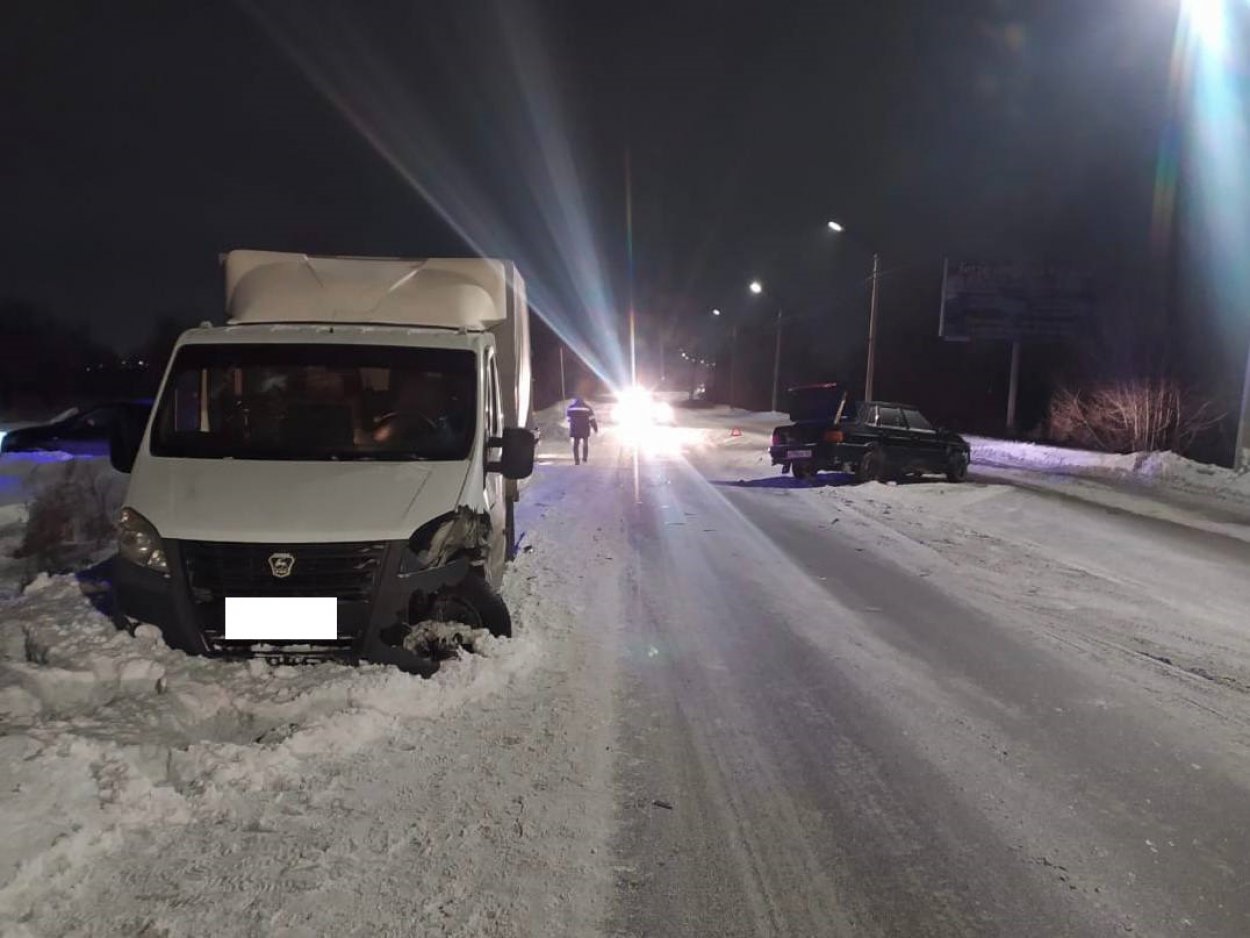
[870,439]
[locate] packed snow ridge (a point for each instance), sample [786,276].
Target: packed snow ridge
[1164,469]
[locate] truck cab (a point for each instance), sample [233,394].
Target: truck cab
[336,465]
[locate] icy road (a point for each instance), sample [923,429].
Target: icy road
[738,706]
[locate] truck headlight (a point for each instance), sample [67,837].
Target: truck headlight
[138,542]
[440,539]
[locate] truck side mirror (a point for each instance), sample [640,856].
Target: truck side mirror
[125,437]
[517,459]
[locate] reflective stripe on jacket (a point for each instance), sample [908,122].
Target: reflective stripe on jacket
[581,418]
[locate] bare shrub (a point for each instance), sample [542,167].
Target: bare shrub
[1142,415]
[70,515]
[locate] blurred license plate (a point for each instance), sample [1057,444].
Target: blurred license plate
[798,454]
[282,618]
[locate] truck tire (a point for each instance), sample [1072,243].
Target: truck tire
[803,471]
[473,603]
[957,468]
[872,466]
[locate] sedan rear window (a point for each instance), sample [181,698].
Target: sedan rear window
[889,417]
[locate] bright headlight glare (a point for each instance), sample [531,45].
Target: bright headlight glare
[138,542]
[635,408]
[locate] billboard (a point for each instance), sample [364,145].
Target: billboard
[1013,301]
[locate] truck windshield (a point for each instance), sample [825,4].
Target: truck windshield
[317,402]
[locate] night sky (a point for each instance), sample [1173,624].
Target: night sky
[140,139]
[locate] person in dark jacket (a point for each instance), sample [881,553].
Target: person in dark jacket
[581,418]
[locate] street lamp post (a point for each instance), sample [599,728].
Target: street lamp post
[870,372]
[777,362]
[872,328]
[733,360]
[758,288]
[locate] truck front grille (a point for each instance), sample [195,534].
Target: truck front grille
[216,570]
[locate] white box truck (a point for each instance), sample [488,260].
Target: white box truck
[334,466]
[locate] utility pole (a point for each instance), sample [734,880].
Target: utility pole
[733,365]
[629,244]
[777,362]
[872,328]
[1012,387]
[563,395]
[1241,459]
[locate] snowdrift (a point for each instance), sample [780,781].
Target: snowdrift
[1164,469]
[104,732]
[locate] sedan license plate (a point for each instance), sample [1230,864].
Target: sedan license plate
[798,454]
[282,618]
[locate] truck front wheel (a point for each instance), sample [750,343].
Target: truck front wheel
[474,603]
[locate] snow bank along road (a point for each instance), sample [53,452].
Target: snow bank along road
[736,706]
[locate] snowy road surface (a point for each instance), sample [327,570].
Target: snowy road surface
[737,706]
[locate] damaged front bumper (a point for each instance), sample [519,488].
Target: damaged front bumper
[373,586]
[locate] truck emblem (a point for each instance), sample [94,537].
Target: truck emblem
[281,565]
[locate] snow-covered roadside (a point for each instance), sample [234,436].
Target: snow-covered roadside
[147,792]
[1157,604]
[1120,586]
[1163,486]
[106,735]
[1161,470]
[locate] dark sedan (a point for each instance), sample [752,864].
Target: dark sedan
[872,439]
[79,433]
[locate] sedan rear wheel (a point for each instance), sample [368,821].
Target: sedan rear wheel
[871,465]
[957,467]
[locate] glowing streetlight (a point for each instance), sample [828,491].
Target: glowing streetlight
[1211,156]
[758,288]
[716,312]
[1208,19]
[834,226]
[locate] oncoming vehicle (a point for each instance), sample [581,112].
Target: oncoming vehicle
[872,439]
[337,465]
[638,407]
